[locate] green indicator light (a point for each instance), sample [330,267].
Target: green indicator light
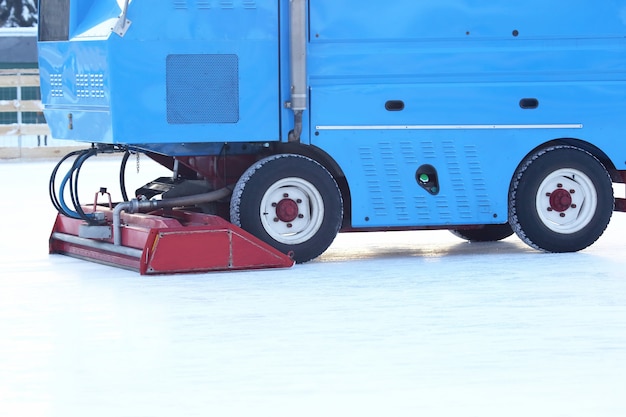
[424,178]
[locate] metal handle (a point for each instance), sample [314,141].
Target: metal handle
[122,23]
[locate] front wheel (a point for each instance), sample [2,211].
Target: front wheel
[561,199]
[290,202]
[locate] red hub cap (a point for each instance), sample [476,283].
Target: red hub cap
[287,210]
[560,200]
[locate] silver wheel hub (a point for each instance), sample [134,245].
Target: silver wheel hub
[292,210]
[566,201]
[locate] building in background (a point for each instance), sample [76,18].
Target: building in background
[18,51]
[18,33]
[18,47]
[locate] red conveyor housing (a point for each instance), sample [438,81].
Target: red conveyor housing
[168,241]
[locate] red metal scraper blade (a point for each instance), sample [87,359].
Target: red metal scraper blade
[172,242]
[209,248]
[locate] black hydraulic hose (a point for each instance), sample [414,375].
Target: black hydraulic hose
[192,200]
[52,192]
[78,164]
[71,178]
[123,175]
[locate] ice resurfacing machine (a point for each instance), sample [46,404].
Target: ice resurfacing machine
[285,122]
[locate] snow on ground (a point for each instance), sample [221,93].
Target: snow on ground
[383,324]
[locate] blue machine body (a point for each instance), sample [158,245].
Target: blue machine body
[466,87]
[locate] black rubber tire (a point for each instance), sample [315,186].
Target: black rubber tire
[486,233]
[582,223]
[318,197]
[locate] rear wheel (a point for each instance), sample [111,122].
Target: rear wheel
[290,202]
[561,199]
[486,233]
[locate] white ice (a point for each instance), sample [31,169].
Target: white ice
[383,324]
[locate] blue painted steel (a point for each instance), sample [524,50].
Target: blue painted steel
[461,69]
[117,90]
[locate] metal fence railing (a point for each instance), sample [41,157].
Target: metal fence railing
[23,129]
[20,103]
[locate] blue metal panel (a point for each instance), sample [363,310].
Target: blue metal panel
[402,20]
[462,71]
[475,168]
[136,72]
[244,29]
[75,90]
[92,18]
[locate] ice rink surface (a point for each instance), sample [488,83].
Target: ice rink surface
[383,324]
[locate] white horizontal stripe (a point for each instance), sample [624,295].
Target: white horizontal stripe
[450,127]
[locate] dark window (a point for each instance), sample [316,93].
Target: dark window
[54,20]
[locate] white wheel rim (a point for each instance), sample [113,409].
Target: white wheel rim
[566,201]
[302,214]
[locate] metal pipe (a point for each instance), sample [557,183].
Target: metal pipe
[125,10]
[175,168]
[122,23]
[298,67]
[93,244]
[294,135]
[190,200]
[136,206]
[117,223]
